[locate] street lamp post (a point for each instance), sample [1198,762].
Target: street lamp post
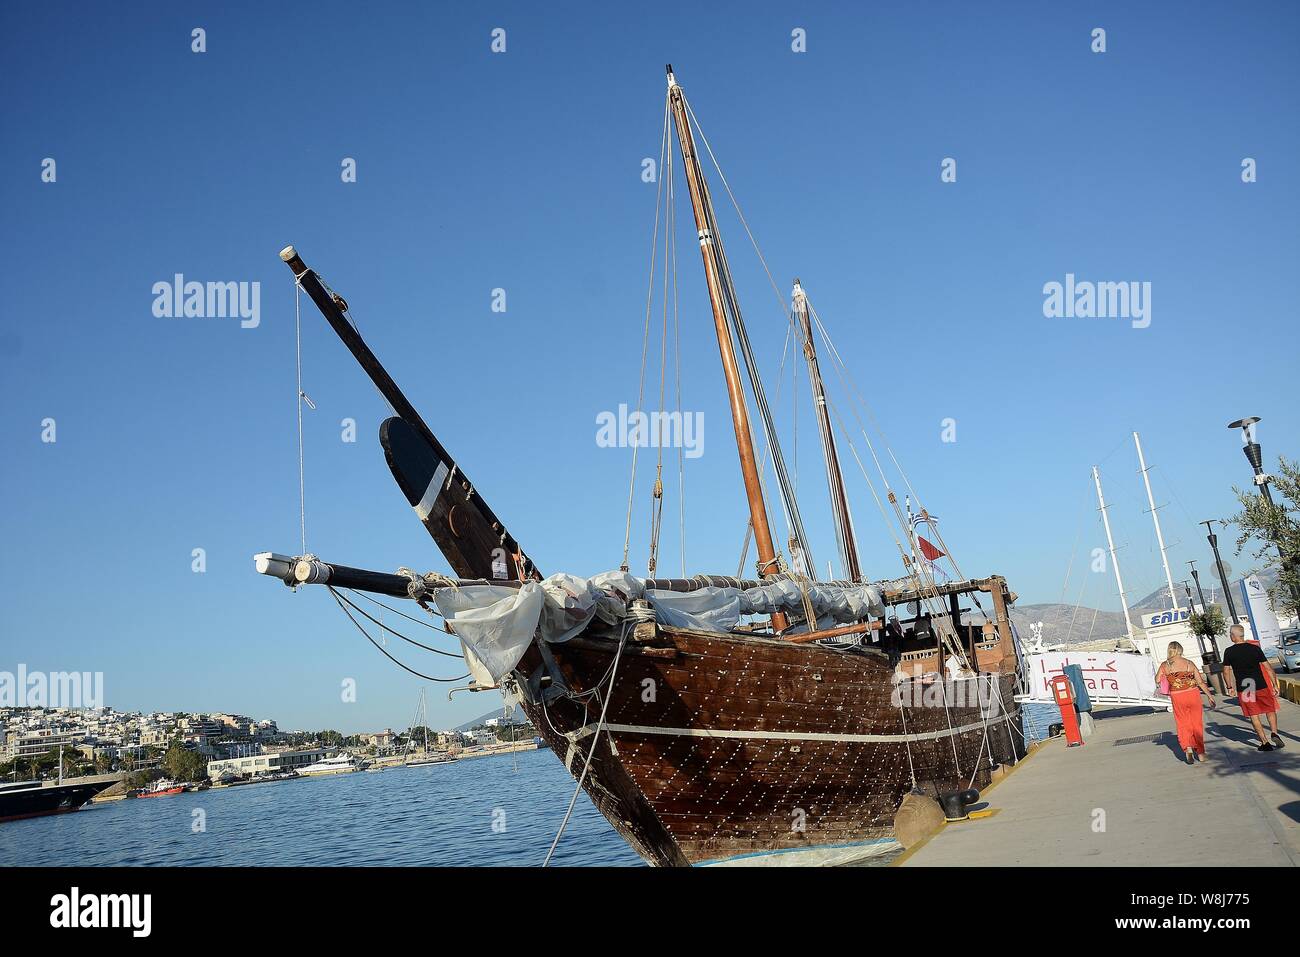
[1215,668]
[1255,456]
[1223,580]
[1200,639]
[1223,575]
[1196,577]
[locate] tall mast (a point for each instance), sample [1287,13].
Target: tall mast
[1155,517]
[767,565]
[1110,542]
[834,477]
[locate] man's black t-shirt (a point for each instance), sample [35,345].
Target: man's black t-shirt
[1245,659]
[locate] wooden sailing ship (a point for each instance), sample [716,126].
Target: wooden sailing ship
[782,734]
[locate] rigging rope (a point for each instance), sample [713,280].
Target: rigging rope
[432,611]
[595,739]
[923,579]
[927,588]
[677,372]
[397,634]
[381,648]
[1083,582]
[731,307]
[352,321]
[302,396]
[929,600]
[657,491]
[952,737]
[763,261]
[762,465]
[907,743]
[985,739]
[645,340]
[843,525]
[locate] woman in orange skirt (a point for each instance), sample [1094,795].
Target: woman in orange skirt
[1185,687]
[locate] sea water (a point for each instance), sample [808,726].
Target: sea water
[500,810]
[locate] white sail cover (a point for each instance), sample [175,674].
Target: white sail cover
[495,623]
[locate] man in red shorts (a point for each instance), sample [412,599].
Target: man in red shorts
[1249,670]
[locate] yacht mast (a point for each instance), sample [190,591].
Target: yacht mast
[767,563]
[1155,517]
[1110,542]
[834,477]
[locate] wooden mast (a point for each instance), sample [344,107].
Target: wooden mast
[767,566]
[834,477]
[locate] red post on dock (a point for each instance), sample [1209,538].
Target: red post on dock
[1069,718]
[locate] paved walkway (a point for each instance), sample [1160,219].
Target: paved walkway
[1123,802]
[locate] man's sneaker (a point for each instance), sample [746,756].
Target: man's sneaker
[1277,742]
[1266,747]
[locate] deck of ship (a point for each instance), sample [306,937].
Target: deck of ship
[1126,798]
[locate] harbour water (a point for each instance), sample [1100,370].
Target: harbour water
[500,810]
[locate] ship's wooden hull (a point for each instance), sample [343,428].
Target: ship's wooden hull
[718,746]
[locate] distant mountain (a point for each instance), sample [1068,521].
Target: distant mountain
[1057,618]
[1210,582]
[519,718]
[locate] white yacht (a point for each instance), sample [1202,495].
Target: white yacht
[341,763]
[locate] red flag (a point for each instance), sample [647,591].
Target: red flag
[929,551]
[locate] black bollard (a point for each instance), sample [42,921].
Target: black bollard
[955,803]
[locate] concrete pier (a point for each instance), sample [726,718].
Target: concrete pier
[1127,798]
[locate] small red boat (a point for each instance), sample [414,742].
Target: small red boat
[161,788]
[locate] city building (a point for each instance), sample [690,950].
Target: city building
[36,743]
[265,763]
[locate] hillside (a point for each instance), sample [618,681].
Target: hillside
[1056,619]
[520,718]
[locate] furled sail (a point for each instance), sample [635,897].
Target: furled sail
[496,623]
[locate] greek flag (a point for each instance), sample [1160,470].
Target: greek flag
[924,518]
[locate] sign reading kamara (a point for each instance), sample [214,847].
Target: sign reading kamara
[1118,677]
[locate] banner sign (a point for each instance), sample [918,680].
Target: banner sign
[1263,620]
[1156,619]
[1113,677]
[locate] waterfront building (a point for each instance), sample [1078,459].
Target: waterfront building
[384,739]
[266,762]
[34,744]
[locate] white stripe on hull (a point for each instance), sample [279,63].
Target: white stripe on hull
[784,735]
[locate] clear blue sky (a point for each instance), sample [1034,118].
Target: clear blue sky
[522,171]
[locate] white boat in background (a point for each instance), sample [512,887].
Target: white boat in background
[342,763]
[416,759]
[433,757]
